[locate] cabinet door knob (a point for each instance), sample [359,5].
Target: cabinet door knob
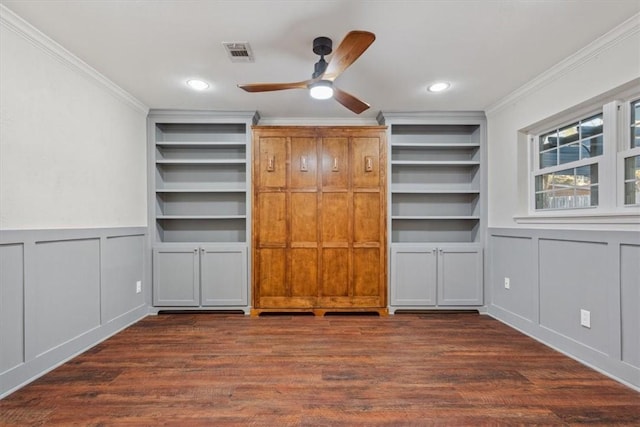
[271,164]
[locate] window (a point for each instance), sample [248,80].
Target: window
[580,145]
[631,178]
[583,165]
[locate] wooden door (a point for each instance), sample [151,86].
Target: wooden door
[319,218]
[353,220]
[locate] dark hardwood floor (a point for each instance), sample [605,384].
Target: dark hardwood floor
[409,369]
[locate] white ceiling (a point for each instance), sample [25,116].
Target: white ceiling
[485,48]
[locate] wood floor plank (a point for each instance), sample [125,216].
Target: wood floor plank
[411,369]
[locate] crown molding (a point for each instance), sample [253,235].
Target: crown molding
[317,121]
[15,23]
[623,31]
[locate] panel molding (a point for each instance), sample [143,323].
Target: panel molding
[599,347]
[113,305]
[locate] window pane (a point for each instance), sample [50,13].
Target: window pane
[549,140]
[568,134]
[594,196]
[594,173]
[567,189]
[548,158]
[631,167]
[591,147]
[632,180]
[591,126]
[564,178]
[631,193]
[577,141]
[569,153]
[583,176]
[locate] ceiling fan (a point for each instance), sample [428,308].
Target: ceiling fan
[321,83]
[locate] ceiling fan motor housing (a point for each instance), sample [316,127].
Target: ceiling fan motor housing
[321,46]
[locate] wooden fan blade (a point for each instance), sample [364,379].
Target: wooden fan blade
[349,101]
[351,47]
[268,87]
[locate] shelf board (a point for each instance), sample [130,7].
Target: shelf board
[435,217]
[433,189]
[202,190]
[169,217]
[201,143]
[202,162]
[435,162]
[438,145]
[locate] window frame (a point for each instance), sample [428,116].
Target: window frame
[534,156]
[615,106]
[625,150]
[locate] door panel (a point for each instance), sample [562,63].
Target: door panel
[414,276]
[272,162]
[304,272]
[223,274]
[176,277]
[335,217]
[335,163]
[365,162]
[460,276]
[366,271]
[273,218]
[366,217]
[304,163]
[272,272]
[335,272]
[304,218]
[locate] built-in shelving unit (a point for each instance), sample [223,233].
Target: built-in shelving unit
[200,170]
[201,182]
[436,217]
[435,184]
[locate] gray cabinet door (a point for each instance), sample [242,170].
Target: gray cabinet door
[176,277]
[460,276]
[413,280]
[223,275]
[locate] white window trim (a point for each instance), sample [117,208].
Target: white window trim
[611,208]
[535,170]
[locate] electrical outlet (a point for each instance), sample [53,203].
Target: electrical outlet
[585,318]
[507,283]
[138,287]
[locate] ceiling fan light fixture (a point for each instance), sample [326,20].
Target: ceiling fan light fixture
[197,84]
[321,90]
[438,87]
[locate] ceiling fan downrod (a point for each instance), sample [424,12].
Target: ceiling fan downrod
[321,46]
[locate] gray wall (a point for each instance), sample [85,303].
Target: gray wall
[63,291]
[556,273]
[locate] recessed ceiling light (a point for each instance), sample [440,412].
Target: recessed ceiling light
[438,87]
[197,84]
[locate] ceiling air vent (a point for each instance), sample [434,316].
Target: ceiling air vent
[238,51]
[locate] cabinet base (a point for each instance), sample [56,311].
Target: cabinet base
[320,312]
